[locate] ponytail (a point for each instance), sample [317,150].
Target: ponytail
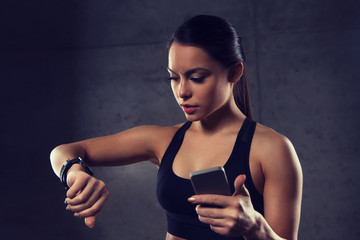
[242,96]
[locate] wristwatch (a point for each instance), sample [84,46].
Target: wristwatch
[67,165]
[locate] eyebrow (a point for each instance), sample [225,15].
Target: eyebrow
[191,71]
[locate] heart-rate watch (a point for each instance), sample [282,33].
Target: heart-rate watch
[67,165]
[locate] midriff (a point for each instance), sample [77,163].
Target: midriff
[172,237]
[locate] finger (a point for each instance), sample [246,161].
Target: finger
[93,198]
[84,205]
[222,230]
[240,188]
[81,198]
[210,212]
[89,194]
[225,215]
[213,221]
[211,199]
[90,221]
[77,187]
[93,210]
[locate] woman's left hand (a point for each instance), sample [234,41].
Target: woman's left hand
[228,215]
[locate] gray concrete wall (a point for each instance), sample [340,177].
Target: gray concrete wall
[71,70]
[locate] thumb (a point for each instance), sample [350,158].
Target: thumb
[239,184]
[90,221]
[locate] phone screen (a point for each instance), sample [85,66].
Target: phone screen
[210,181]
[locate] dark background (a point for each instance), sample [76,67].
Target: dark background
[71,70]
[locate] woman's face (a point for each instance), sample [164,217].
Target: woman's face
[199,83]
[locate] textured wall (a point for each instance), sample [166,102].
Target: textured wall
[71,70]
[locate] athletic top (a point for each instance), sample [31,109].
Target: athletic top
[173,191]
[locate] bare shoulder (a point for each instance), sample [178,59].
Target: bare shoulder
[269,138]
[272,149]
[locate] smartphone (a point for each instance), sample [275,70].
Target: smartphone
[210,181]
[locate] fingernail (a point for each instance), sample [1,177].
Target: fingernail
[76,214]
[65,202]
[68,207]
[191,199]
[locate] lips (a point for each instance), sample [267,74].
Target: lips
[189,109]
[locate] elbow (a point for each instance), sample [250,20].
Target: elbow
[65,151]
[55,153]
[55,158]
[59,155]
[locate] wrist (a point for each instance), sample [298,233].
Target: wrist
[255,229]
[76,167]
[71,164]
[73,172]
[261,230]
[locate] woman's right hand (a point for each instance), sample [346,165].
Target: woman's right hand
[86,196]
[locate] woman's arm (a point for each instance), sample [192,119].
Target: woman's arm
[87,195]
[282,189]
[131,146]
[283,185]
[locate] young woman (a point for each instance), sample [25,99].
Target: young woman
[207,78]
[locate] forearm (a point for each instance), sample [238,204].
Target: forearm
[262,231]
[62,153]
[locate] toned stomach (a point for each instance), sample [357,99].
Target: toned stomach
[172,237]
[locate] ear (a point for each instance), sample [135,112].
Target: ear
[235,72]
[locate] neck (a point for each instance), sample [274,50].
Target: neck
[226,118]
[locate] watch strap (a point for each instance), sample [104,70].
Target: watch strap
[67,165]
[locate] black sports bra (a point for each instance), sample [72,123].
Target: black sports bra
[173,191]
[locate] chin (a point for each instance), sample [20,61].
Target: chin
[192,118]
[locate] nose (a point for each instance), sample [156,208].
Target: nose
[184,89]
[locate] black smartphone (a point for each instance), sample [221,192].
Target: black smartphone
[210,181]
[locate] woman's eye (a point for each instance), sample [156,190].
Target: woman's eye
[173,78]
[198,80]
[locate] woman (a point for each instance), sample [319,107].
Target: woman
[207,78]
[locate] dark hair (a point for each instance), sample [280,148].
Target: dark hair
[219,39]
